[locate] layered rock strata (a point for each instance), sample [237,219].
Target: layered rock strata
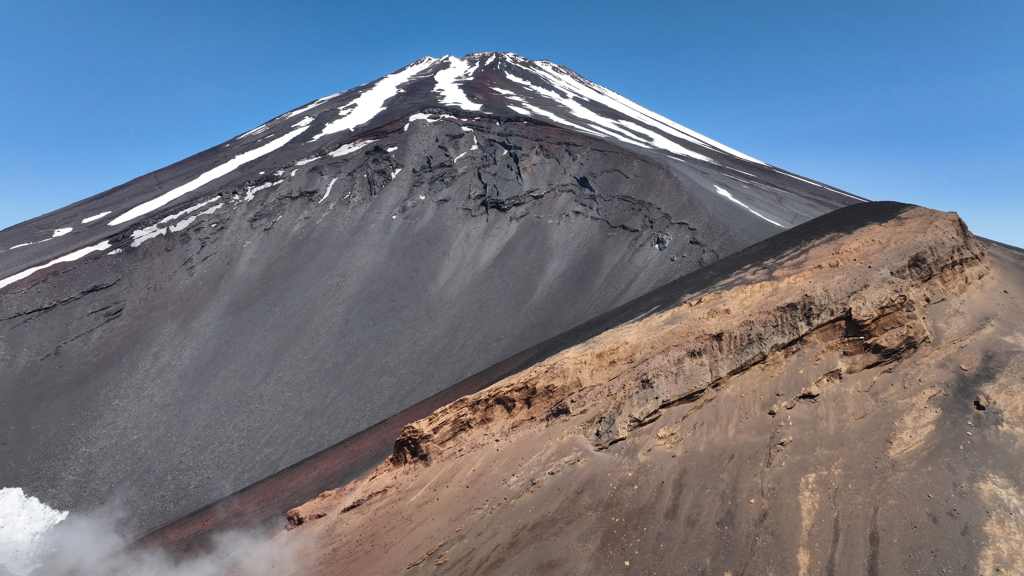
[849,405]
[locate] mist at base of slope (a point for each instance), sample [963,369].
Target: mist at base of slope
[40,541]
[90,546]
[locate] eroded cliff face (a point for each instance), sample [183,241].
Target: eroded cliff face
[849,406]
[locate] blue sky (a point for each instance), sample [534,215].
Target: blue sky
[921,102]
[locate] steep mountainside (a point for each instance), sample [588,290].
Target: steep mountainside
[844,398]
[179,337]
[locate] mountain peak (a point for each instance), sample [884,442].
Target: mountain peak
[497,84]
[501,86]
[505,84]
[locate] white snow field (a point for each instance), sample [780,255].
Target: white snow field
[24,523]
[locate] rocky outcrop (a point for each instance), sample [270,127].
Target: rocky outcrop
[866,297]
[811,412]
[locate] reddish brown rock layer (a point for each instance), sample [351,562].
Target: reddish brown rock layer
[814,413]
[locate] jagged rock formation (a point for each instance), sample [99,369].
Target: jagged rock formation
[184,335]
[844,398]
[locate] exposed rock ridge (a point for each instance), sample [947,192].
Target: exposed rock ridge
[623,379]
[846,399]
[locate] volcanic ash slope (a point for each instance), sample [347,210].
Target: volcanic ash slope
[182,336]
[853,404]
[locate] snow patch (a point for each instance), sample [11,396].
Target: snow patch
[96,217]
[211,210]
[24,523]
[149,232]
[392,149]
[30,243]
[206,177]
[257,130]
[180,225]
[146,234]
[351,147]
[66,258]
[601,124]
[449,81]
[471,148]
[188,210]
[313,104]
[328,193]
[585,89]
[527,109]
[726,193]
[427,117]
[304,122]
[648,129]
[370,103]
[251,192]
[61,231]
[658,141]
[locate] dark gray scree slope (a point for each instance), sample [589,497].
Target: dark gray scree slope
[349,259]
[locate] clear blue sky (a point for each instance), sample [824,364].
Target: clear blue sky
[921,102]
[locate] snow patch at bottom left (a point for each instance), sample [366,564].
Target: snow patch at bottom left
[24,524]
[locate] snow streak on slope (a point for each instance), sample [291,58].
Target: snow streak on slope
[485,84]
[66,258]
[555,94]
[328,192]
[206,177]
[310,106]
[448,83]
[623,131]
[96,217]
[727,194]
[351,147]
[370,103]
[158,229]
[571,83]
